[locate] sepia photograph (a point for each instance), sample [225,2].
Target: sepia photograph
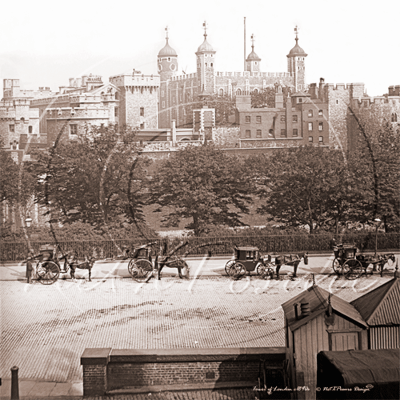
[200,200]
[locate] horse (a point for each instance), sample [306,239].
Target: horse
[292,260]
[69,261]
[169,260]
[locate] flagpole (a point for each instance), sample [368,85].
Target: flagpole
[244,43]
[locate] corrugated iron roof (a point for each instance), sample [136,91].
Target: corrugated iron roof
[317,298]
[382,305]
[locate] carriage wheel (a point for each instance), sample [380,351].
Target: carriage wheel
[228,266]
[139,269]
[47,272]
[337,266]
[265,271]
[340,269]
[236,270]
[354,269]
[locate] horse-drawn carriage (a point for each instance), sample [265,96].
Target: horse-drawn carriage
[248,259]
[352,265]
[48,264]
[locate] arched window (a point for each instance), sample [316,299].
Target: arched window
[394,117]
[221,92]
[239,92]
[255,91]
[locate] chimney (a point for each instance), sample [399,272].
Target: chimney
[173,132]
[279,97]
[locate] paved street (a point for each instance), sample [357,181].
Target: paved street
[45,329]
[201,266]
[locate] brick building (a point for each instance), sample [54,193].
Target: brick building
[302,121]
[179,92]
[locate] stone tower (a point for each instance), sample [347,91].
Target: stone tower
[205,66]
[167,60]
[252,60]
[296,64]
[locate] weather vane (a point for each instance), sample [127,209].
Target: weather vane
[252,41]
[205,28]
[166,32]
[296,29]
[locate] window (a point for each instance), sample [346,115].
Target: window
[310,139]
[394,117]
[163,104]
[258,132]
[310,113]
[211,64]
[173,99]
[142,126]
[169,58]
[116,111]
[142,111]
[221,92]
[283,118]
[73,129]
[283,132]
[337,101]
[248,119]
[12,129]
[300,100]
[271,132]
[258,119]
[320,113]
[206,64]
[239,92]
[30,129]
[294,118]
[310,126]
[248,133]
[295,132]
[321,139]
[321,126]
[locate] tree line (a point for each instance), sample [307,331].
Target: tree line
[103,178]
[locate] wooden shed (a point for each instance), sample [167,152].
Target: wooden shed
[315,321]
[380,308]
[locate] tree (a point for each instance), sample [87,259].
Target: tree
[224,105]
[306,186]
[377,156]
[97,178]
[8,177]
[203,184]
[266,97]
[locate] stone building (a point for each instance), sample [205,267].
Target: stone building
[179,92]
[302,121]
[19,125]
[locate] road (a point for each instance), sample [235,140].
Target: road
[199,266]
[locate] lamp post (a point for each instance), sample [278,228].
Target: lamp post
[377,223]
[28,223]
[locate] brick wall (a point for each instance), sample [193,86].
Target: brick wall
[178,368]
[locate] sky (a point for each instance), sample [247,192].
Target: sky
[44,43]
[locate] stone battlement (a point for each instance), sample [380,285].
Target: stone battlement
[77,113]
[135,80]
[184,77]
[256,74]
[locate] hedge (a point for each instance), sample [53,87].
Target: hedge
[274,244]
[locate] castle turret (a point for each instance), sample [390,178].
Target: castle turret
[296,64]
[205,66]
[167,60]
[252,60]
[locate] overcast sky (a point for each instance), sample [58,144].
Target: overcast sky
[44,43]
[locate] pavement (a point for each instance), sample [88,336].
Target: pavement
[46,328]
